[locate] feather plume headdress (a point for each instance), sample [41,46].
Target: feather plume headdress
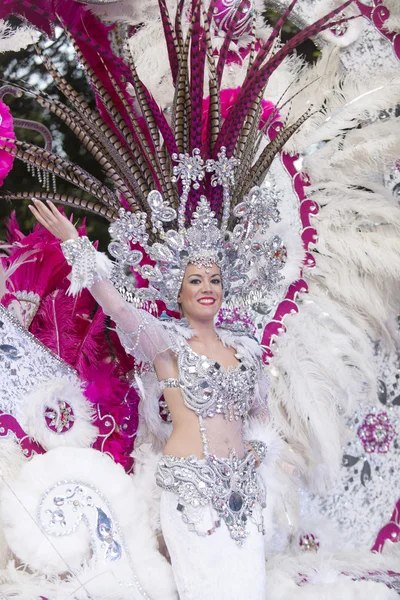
[188,189]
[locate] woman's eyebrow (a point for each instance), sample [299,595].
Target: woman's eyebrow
[198,275]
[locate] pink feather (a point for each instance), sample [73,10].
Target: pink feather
[54,326]
[93,344]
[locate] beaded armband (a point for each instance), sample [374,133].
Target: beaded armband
[88,265]
[260,448]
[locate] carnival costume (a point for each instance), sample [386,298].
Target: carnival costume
[196,174]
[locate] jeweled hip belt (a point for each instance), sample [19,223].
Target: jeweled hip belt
[231,485]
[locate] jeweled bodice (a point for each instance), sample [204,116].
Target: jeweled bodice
[207,387]
[210,389]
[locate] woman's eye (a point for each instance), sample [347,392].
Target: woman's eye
[215,281]
[195,281]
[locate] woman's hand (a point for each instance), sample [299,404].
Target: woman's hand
[53,220]
[250,449]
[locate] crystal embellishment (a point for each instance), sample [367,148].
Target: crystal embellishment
[61,420]
[230,484]
[376,433]
[203,241]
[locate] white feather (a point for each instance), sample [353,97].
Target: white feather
[343,103]
[318,374]
[392,23]
[12,40]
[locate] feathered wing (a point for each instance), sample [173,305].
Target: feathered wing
[353,288]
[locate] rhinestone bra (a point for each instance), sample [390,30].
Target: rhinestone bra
[210,389]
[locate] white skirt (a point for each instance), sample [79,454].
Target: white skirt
[212,567]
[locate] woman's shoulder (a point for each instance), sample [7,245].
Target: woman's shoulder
[176,327]
[238,337]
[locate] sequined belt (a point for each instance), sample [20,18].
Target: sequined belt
[230,485]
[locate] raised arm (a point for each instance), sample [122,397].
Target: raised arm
[141,334]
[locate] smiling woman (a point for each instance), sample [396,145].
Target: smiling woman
[201,290]
[211,379]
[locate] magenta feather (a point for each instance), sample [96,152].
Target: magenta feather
[197,63]
[92,346]
[54,326]
[170,39]
[267,47]
[229,33]
[46,268]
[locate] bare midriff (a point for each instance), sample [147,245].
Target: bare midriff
[186,440]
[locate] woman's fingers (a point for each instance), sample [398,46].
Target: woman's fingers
[38,215]
[51,218]
[54,210]
[44,211]
[44,216]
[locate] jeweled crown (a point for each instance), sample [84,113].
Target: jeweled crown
[250,261]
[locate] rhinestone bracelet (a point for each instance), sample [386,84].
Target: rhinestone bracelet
[260,448]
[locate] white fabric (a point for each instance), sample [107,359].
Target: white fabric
[212,567]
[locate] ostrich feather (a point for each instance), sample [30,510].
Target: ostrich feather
[392,23]
[16,39]
[46,268]
[318,372]
[350,101]
[373,300]
[10,268]
[361,153]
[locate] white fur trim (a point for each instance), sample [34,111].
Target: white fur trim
[11,462]
[325,581]
[81,434]
[20,503]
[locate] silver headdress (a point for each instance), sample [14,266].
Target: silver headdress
[183,204]
[250,261]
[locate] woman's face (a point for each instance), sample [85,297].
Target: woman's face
[200,297]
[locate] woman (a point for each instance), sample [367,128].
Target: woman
[212,499]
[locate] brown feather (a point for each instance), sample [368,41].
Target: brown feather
[182,101]
[46,161]
[82,203]
[260,169]
[214,117]
[94,144]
